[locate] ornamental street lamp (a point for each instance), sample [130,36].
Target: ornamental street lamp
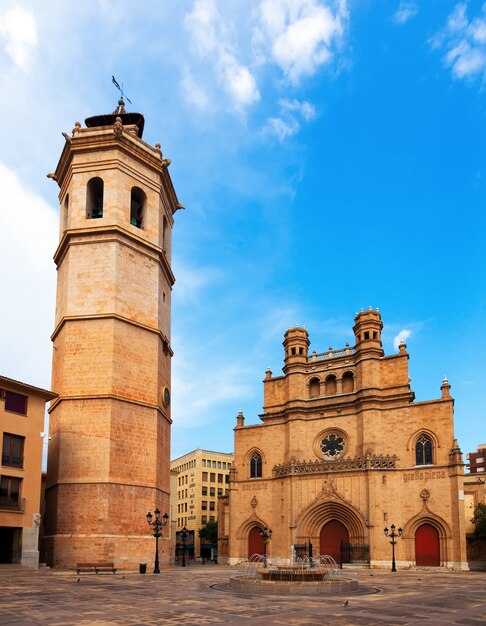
[266,533]
[392,534]
[184,536]
[157,524]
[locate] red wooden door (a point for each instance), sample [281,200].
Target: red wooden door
[255,542]
[427,552]
[332,534]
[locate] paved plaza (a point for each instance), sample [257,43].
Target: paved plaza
[199,595]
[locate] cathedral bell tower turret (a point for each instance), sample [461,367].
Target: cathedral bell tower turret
[110,427]
[296,346]
[367,330]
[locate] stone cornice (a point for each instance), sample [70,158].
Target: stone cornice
[107,396]
[120,318]
[111,233]
[344,404]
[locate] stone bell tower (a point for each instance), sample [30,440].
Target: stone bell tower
[110,427]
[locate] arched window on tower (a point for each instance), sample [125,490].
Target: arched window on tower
[314,388]
[94,198]
[255,465]
[348,382]
[423,450]
[137,207]
[164,234]
[331,386]
[65,212]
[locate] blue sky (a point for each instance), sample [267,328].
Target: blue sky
[331,156]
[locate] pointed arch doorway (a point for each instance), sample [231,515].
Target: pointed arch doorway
[333,533]
[427,548]
[255,542]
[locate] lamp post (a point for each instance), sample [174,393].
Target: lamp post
[184,535]
[392,534]
[266,533]
[157,524]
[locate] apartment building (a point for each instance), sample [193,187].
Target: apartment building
[22,409]
[202,477]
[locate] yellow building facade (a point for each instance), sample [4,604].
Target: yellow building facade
[202,478]
[22,410]
[343,452]
[109,454]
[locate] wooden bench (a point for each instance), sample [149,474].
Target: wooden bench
[96,567]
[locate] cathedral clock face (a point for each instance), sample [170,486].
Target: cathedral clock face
[332,445]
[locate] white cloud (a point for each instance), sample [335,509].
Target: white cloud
[298,35]
[212,41]
[405,12]
[464,43]
[28,239]
[291,115]
[19,30]
[403,335]
[194,93]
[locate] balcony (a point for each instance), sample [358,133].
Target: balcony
[16,505]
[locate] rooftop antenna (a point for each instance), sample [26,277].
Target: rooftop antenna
[120,89]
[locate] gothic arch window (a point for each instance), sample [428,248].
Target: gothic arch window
[256,465]
[164,234]
[423,450]
[314,388]
[138,200]
[331,386]
[348,382]
[94,198]
[65,212]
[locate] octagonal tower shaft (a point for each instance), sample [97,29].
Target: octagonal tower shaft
[110,449]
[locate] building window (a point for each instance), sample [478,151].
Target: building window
[10,492]
[314,388]
[204,491]
[12,450]
[211,506]
[220,478]
[224,464]
[332,446]
[203,462]
[212,477]
[204,505]
[204,519]
[15,402]
[164,234]
[65,212]
[423,450]
[227,478]
[205,477]
[214,464]
[331,386]
[220,491]
[219,464]
[211,518]
[94,198]
[212,491]
[256,466]
[348,382]
[138,200]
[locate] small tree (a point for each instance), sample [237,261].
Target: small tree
[209,532]
[479,521]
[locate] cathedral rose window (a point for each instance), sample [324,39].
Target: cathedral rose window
[332,445]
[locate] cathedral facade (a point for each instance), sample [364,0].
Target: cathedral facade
[343,453]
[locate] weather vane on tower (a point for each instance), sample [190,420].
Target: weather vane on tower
[121,102]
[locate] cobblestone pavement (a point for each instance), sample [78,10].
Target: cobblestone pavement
[199,596]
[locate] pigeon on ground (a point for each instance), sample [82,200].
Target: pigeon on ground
[346,603]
